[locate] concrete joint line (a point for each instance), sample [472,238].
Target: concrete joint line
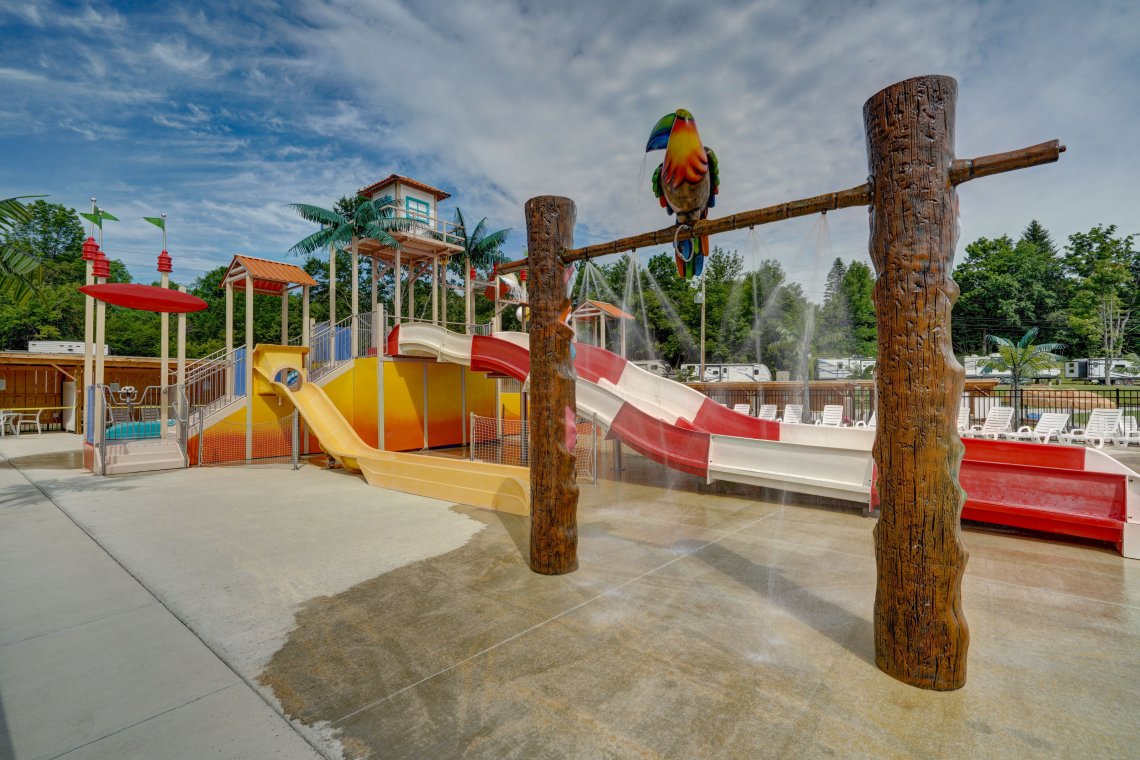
[185,623]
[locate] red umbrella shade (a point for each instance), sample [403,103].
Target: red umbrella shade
[144,297]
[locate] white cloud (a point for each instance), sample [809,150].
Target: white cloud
[249,108]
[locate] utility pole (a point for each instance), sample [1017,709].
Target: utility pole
[701,375]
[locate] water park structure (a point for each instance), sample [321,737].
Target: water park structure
[373,388]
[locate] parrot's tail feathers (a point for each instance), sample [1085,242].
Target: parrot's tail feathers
[680,265]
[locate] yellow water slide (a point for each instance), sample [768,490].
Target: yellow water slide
[495,486]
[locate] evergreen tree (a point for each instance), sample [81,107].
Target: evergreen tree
[1037,235]
[833,325]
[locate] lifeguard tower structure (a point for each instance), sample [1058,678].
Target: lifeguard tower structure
[427,243]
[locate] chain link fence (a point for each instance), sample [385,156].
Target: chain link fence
[508,442]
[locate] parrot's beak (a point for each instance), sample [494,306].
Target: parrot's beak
[659,137]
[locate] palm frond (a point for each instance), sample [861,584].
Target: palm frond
[13,211]
[316,214]
[315,242]
[20,272]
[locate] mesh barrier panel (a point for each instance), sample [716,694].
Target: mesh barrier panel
[224,443]
[508,442]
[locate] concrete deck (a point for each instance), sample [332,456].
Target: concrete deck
[177,614]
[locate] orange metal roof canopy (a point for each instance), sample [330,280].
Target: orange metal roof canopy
[269,277]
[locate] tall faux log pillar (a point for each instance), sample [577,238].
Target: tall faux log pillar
[553,490]
[921,636]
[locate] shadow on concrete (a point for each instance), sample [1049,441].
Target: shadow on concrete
[6,748]
[518,528]
[836,623]
[49,460]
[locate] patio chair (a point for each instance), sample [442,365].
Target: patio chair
[1129,432]
[832,416]
[1049,425]
[30,420]
[8,421]
[963,419]
[767,412]
[871,423]
[743,408]
[1102,426]
[793,414]
[998,421]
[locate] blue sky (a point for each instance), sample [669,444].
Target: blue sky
[221,113]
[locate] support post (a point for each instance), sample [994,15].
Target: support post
[248,366]
[412,277]
[921,635]
[380,362]
[435,291]
[284,315]
[164,365]
[229,338]
[468,314]
[306,329]
[182,345]
[397,294]
[332,293]
[88,348]
[554,492]
[355,298]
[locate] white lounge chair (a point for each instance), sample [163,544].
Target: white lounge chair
[832,416]
[963,419]
[30,420]
[998,421]
[869,424]
[767,412]
[1049,425]
[793,414]
[742,408]
[1102,426]
[1129,432]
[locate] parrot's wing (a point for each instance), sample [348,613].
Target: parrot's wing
[658,193]
[714,176]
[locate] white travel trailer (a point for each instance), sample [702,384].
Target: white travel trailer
[844,367]
[656,366]
[975,369]
[729,373]
[1092,370]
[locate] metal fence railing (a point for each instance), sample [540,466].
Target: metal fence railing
[858,400]
[215,380]
[508,442]
[156,415]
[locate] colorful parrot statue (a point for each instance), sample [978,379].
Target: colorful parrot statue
[686,183]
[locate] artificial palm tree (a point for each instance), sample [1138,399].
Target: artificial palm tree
[481,249]
[1023,360]
[346,223]
[19,265]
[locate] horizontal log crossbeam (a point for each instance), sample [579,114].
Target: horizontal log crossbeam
[961,170]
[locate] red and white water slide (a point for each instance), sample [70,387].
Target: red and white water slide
[1068,490]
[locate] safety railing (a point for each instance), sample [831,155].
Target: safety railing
[214,381]
[422,225]
[330,347]
[499,441]
[156,414]
[462,328]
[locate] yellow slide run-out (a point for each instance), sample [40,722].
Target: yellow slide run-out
[495,486]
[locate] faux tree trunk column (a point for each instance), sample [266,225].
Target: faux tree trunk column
[921,636]
[553,490]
